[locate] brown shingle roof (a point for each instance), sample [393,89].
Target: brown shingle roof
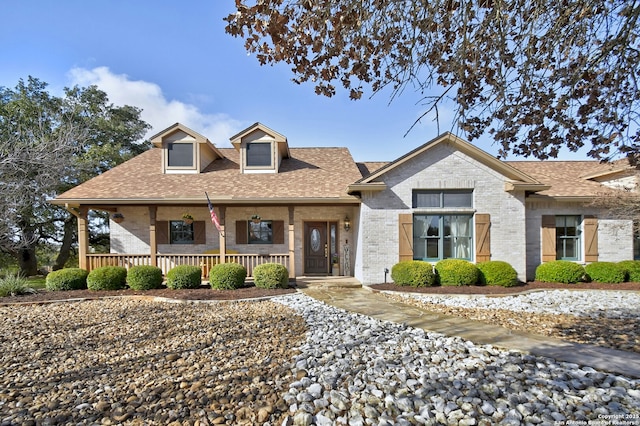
[310,173]
[565,177]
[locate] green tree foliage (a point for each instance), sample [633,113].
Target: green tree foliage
[535,74]
[49,144]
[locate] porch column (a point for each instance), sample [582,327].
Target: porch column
[222,235]
[83,237]
[153,242]
[292,244]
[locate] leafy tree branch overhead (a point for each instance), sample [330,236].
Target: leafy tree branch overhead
[535,74]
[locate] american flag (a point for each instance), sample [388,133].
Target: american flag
[214,217]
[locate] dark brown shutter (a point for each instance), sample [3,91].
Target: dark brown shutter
[277,228]
[483,237]
[199,232]
[590,225]
[241,232]
[162,232]
[405,238]
[548,238]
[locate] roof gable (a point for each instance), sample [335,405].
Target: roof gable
[515,177]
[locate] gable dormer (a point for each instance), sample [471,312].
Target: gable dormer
[184,150]
[261,149]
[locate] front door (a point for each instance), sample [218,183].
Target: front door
[316,250]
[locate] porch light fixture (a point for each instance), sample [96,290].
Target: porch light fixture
[117,217]
[347,223]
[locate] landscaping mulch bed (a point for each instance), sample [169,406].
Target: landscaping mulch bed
[202,293]
[496,290]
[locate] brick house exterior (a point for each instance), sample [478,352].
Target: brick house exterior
[446,198]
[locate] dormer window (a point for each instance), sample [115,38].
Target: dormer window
[180,155]
[259,154]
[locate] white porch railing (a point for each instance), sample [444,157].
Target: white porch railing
[168,261]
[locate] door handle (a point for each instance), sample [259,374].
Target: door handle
[326,250]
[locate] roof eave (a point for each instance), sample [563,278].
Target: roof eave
[215,200]
[511,186]
[371,186]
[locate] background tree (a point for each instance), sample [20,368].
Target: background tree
[47,145]
[535,74]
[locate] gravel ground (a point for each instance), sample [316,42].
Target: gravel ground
[604,318]
[288,361]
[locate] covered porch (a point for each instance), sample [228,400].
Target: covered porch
[305,239]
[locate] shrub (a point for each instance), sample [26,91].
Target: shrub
[560,271]
[631,269]
[107,278]
[271,275]
[414,273]
[144,277]
[227,276]
[14,285]
[67,279]
[457,272]
[605,272]
[497,272]
[184,276]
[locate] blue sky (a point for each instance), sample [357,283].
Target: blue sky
[174,60]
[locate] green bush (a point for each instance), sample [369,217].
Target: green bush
[605,272]
[631,269]
[560,271]
[457,272]
[271,275]
[497,272]
[144,277]
[107,278]
[67,279]
[414,273]
[227,276]
[14,285]
[184,276]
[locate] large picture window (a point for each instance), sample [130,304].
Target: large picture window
[259,154]
[568,237]
[180,155]
[261,232]
[445,236]
[180,232]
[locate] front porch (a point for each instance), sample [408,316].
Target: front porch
[168,261]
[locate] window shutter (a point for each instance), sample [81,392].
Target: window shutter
[199,232]
[162,232]
[405,237]
[548,238]
[277,227]
[590,225]
[241,232]
[483,237]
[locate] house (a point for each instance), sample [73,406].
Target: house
[303,207]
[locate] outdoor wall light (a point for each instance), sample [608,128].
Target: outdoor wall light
[347,223]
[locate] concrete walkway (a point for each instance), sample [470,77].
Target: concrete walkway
[348,294]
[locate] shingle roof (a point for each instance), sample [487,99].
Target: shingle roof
[566,178]
[310,173]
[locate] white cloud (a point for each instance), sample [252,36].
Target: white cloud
[158,111]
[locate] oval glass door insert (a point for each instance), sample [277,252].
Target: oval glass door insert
[315,240]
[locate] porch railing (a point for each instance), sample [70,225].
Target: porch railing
[168,261]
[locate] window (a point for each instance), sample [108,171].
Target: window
[259,154]
[455,198]
[445,236]
[180,232]
[261,232]
[568,237]
[180,155]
